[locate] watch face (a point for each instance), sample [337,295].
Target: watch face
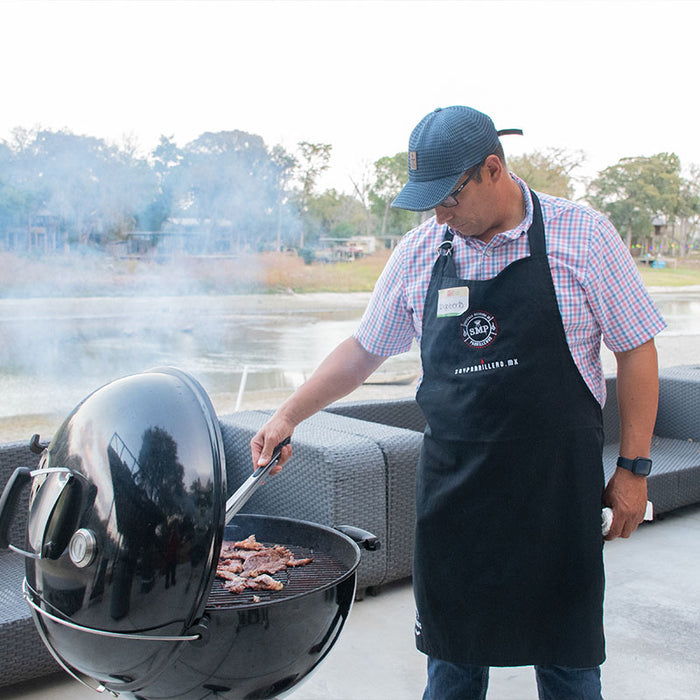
[642,466]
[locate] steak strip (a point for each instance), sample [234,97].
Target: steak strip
[248,564]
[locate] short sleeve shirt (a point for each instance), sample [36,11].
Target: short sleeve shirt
[599,290]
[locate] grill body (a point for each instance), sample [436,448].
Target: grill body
[245,649]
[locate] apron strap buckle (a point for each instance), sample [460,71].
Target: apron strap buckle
[445,248]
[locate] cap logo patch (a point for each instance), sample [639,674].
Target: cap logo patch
[413,160]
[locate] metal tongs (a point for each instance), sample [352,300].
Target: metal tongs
[252,483]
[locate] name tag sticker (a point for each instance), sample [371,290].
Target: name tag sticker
[453,301]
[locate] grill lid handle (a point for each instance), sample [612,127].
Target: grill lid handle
[53,514]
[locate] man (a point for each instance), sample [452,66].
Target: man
[509,294]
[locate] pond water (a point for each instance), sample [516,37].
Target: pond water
[54,352]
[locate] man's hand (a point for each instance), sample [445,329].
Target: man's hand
[340,373]
[626,494]
[267,438]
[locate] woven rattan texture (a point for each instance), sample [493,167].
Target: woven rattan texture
[401,413]
[401,450]
[679,403]
[22,653]
[352,468]
[333,479]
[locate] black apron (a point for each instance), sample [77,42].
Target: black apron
[509,553]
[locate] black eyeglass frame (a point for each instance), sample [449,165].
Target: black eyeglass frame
[451,199]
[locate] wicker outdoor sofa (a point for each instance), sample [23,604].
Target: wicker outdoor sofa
[354,464]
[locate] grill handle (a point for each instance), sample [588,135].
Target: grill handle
[29,594]
[361,537]
[8,502]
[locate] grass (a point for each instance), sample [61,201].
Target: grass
[670,276]
[90,276]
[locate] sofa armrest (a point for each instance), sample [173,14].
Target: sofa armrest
[679,403]
[400,413]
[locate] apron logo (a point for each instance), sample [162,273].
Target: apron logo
[479,329]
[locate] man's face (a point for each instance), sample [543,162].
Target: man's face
[468,217]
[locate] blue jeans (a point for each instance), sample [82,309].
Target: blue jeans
[448,681]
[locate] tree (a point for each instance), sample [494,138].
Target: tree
[93,189]
[689,212]
[14,204]
[165,159]
[283,166]
[390,176]
[226,180]
[335,215]
[362,187]
[312,161]
[548,171]
[636,191]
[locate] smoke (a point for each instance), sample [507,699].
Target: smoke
[55,350]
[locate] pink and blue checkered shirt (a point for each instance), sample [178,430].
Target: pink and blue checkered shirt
[599,289]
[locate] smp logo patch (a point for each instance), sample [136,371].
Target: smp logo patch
[479,329]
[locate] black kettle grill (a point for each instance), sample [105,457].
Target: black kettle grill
[127,515]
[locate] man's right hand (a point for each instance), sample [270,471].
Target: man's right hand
[340,373]
[267,438]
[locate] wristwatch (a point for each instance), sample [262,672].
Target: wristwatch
[639,465]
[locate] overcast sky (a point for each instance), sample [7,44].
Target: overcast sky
[611,79]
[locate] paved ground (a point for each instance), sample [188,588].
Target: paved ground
[652,626]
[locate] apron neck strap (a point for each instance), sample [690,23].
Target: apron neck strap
[535,234]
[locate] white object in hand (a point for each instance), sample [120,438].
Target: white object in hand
[607,517]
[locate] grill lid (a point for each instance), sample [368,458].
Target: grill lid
[126,536]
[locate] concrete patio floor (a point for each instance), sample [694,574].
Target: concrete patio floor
[652,624]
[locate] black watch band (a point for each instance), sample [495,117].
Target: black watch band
[639,465]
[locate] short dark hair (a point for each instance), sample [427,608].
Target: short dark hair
[498,152]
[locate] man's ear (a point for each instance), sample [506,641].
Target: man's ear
[493,167]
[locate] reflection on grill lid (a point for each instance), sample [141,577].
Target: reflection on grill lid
[139,536]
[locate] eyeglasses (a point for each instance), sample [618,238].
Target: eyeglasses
[451,199]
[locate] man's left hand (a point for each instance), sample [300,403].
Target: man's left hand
[626,494]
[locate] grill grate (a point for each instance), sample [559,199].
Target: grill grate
[324,570]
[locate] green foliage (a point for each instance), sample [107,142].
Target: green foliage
[635,191]
[548,171]
[227,191]
[334,214]
[391,173]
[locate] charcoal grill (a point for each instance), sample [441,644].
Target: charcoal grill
[126,520]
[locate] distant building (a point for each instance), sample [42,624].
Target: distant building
[348,248]
[41,235]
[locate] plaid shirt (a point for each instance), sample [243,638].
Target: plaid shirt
[598,287]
